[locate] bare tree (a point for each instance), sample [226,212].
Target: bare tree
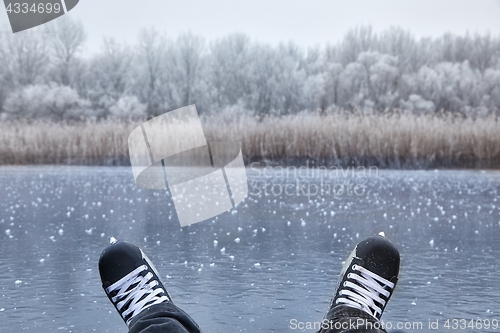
[185,62]
[152,47]
[67,39]
[25,57]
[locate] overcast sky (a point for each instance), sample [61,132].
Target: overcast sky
[307,22]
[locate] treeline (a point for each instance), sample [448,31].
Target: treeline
[45,76]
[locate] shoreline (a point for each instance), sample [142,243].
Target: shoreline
[279,164]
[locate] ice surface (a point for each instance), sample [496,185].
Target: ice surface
[286,262]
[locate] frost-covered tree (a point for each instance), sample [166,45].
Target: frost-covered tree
[367,69]
[355,42]
[128,107]
[332,74]
[25,58]
[371,81]
[185,65]
[150,69]
[110,74]
[418,105]
[449,86]
[277,79]
[491,90]
[66,38]
[229,70]
[42,101]
[381,78]
[401,45]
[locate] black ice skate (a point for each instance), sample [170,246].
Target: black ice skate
[130,279]
[369,276]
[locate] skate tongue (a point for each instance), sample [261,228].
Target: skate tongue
[382,234]
[112,240]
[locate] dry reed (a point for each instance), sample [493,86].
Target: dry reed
[396,140]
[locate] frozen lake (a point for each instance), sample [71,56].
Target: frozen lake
[277,256]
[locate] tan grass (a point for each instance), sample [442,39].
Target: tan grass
[386,140]
[37,142]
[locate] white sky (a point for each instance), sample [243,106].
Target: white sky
[307,22]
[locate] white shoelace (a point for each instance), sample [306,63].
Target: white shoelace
[368,291]
[144,288]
